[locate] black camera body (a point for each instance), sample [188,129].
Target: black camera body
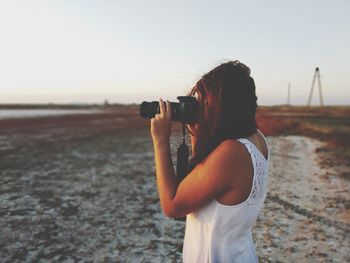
[185,111]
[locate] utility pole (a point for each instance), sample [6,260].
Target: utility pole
[288,97]
[318,77]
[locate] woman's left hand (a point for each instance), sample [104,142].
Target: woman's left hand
[161,123]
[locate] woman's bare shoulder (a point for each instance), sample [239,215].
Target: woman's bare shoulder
[231,150]
[233,146]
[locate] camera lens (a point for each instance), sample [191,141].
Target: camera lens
[185,111]
[149,109]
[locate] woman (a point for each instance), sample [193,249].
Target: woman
[223,193]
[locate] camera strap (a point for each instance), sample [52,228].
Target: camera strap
[182,156]
[182,161]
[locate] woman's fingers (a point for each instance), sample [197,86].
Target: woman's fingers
[165,109]
[161,108]
[161,122]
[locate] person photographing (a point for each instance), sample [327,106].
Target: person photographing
[226,184]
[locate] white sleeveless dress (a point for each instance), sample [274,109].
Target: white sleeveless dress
[219,233]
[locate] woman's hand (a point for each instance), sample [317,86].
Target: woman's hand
[161,123]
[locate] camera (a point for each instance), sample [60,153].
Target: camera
[185,111]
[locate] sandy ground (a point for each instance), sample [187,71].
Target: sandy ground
[83,190]
[306,213]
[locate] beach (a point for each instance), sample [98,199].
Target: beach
[81,188]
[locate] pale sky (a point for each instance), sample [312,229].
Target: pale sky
[129,51]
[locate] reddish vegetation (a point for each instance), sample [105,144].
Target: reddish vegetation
[111,119]
[329,124]
[271,125]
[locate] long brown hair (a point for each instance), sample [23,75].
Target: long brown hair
[227,107]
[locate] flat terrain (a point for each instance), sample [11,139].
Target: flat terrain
[81,188]
[328,124]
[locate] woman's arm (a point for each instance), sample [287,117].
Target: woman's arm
[205,182]
[167,182]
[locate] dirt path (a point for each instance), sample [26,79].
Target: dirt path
[306,216]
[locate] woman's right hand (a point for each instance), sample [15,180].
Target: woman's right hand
[161,123]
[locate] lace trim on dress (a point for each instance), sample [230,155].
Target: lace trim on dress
[259,187]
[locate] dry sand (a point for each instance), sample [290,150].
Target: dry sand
[306,213]
[83,189]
